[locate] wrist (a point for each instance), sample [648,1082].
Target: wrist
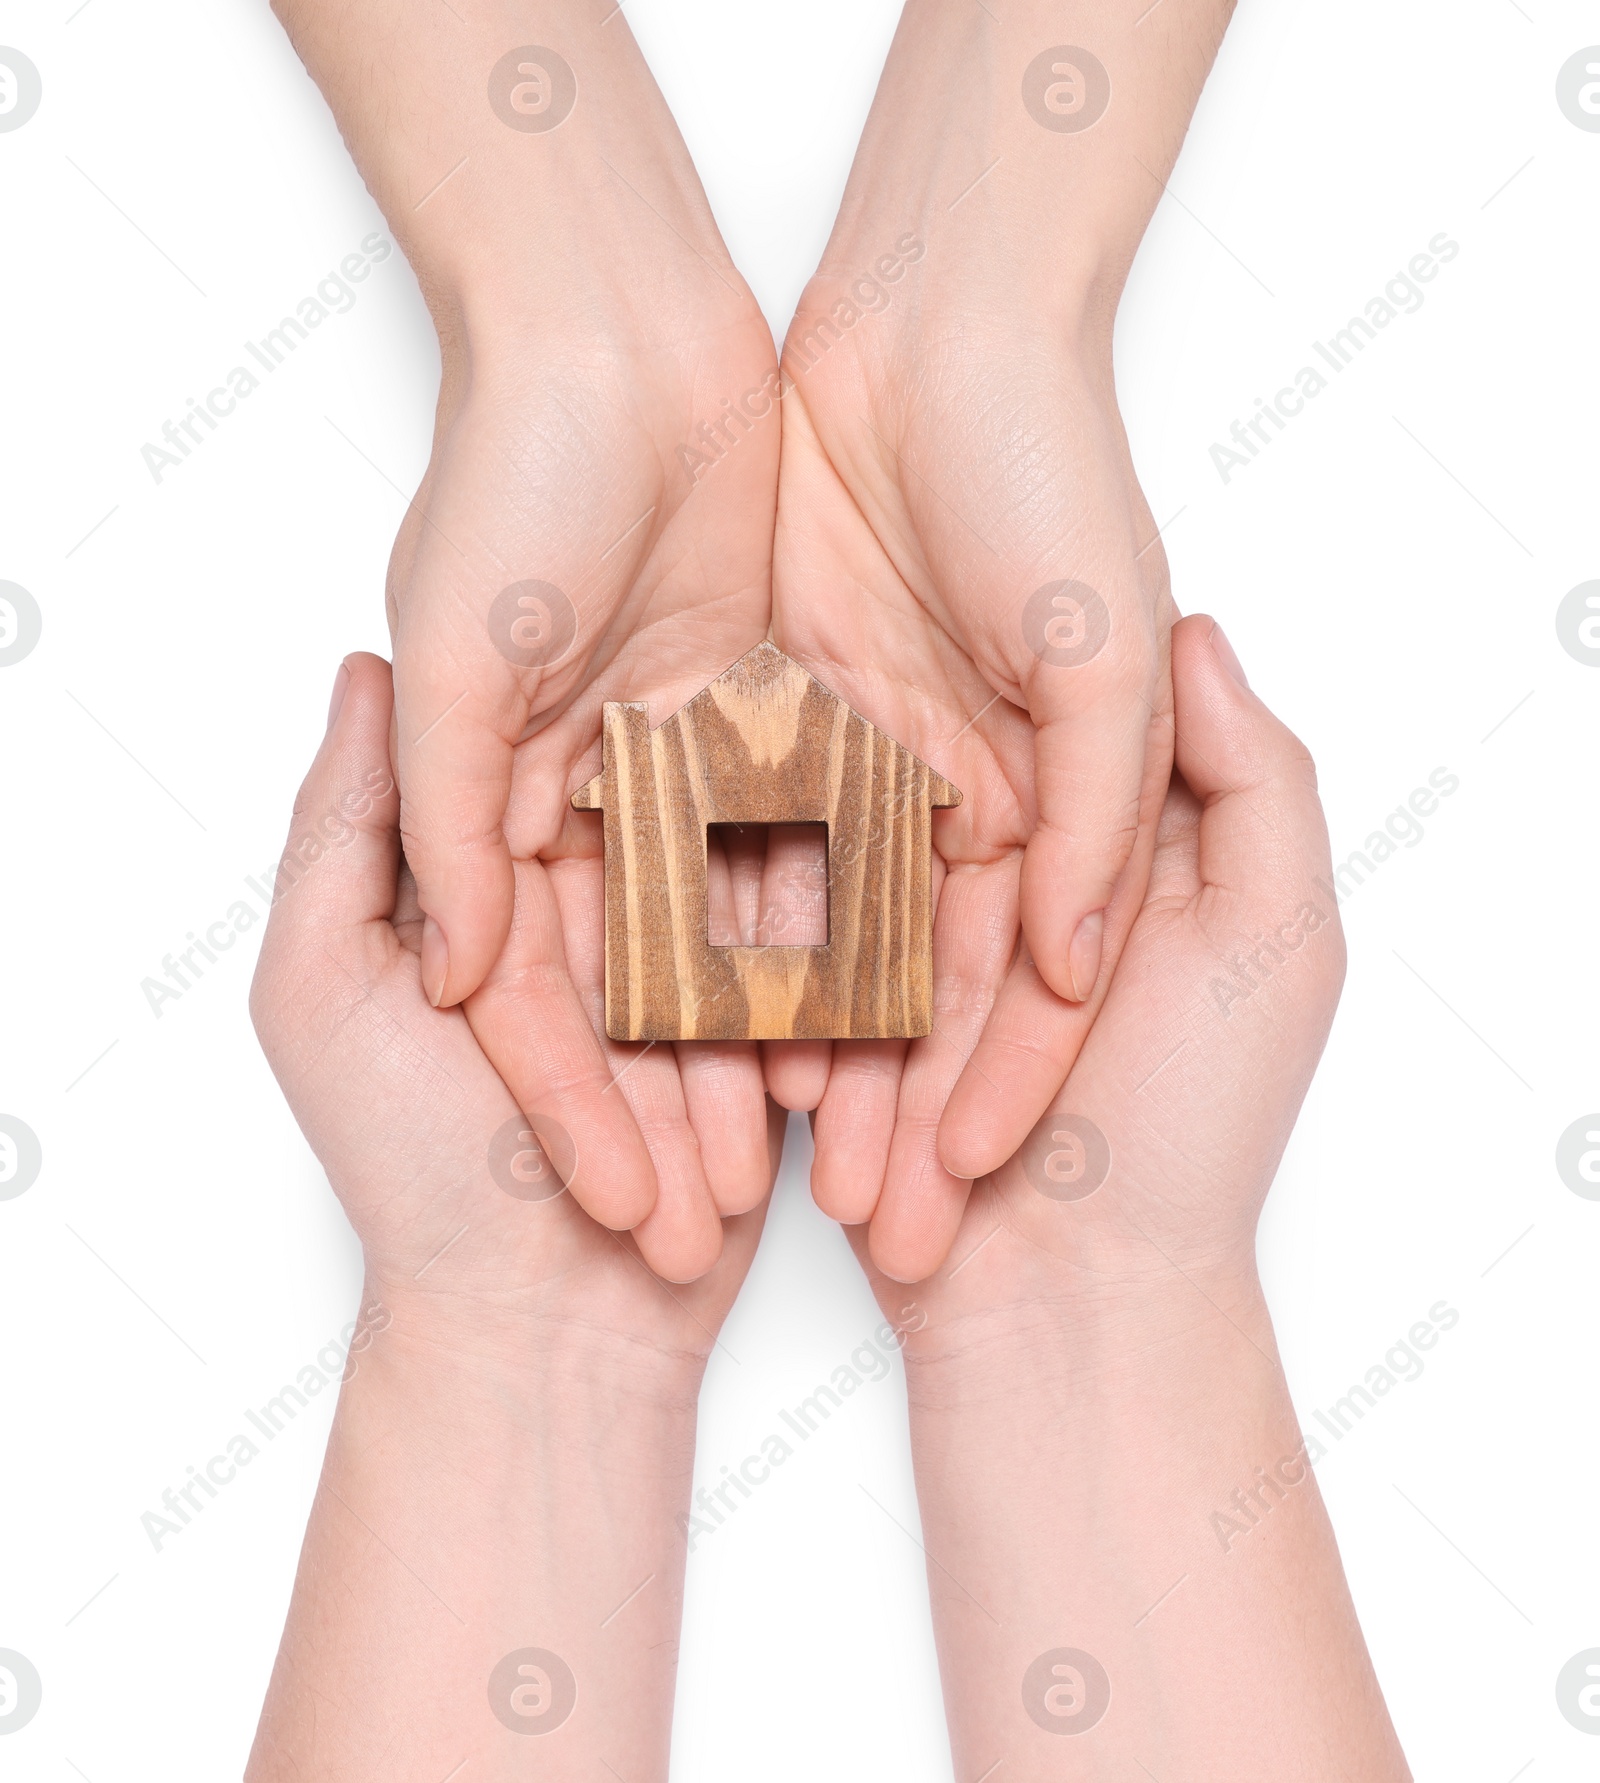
[534,151]
[540,277]
[481,1526]
[1042,260]
[1029,150]
[524,1357]
[1157,1488]
[1089,1330]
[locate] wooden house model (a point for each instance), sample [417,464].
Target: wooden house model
[765,743]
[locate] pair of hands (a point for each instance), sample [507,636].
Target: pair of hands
[508,1470]
[513,1457]
[417,1125]
[946,451]
[515,1452]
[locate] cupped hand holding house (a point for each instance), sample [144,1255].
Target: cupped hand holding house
[963,551]
[557,554]
[1021,652]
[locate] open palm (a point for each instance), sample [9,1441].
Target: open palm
[577,539]
[955,499]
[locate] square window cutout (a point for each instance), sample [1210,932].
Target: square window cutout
[767,884]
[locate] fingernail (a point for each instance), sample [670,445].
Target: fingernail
[1225,655]
[435,960]
[1083,957]
[341,684]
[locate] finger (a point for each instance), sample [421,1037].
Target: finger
[681,1237]
[796,1072]
[1263,838]
[706,1300]
[726,1104]
[920,1209]
[853,1127]
[459,708]
[338,868]
[532,1025]
[741,1232]
[1021,1059]
[1089,760]
[1033,1037]
[919,1212]
[906,1314]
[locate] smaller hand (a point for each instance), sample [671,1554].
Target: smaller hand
[456,1193]
[1102,1346]
[518,1444]
[1150,1170]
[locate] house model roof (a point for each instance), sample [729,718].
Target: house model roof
[769,691]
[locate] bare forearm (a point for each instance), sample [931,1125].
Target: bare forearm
[1132,1486]
[1037,141]
[492,1572]
[503,174]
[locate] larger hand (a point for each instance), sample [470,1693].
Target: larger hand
[963,551]
[595,524]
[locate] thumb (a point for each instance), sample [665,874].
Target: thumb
[458,713]
[1263,838]
[338,869]
[1089,689]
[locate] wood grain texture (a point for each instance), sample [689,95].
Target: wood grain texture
[765,743]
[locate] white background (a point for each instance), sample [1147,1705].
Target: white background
[1388,570]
